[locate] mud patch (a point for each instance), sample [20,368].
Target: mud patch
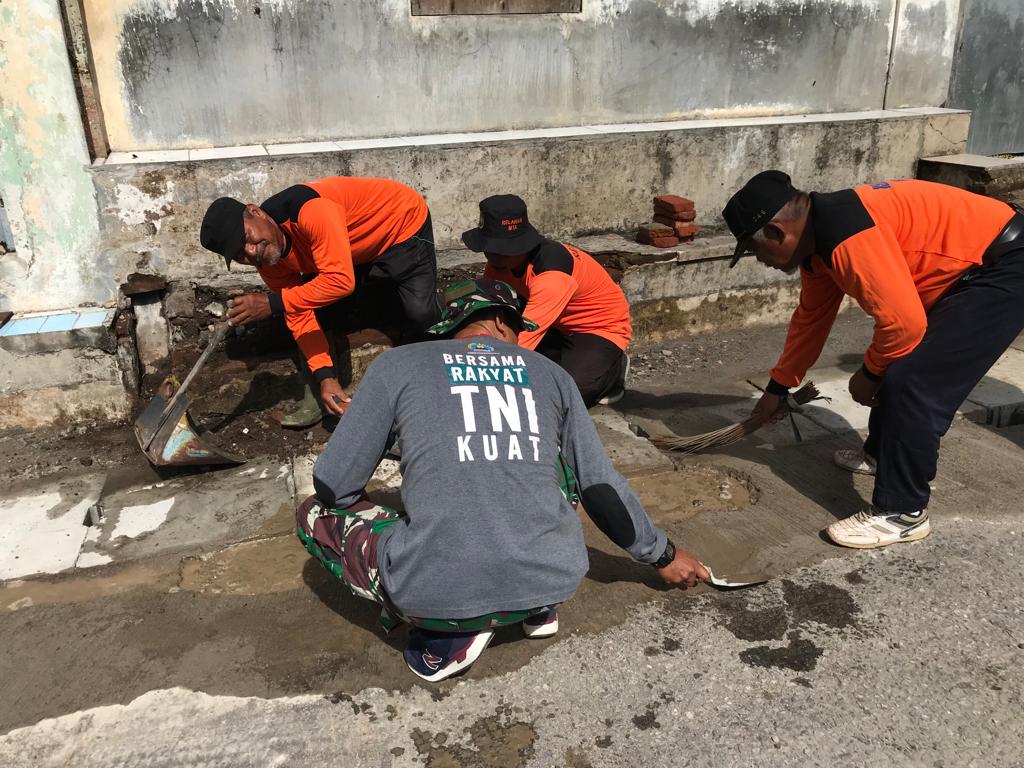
[769,616]
[672,497]
[648,720]
[493,742]
[800,655]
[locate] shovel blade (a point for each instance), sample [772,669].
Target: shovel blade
[173,440]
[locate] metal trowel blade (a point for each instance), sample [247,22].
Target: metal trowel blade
[722,582]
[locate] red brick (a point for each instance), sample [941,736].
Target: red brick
[673,203]
[657,235]
[663,216]
[656,230]
[686,230]
[674,223]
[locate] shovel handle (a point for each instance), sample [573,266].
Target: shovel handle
[218,335]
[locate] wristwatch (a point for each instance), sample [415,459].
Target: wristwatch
[668,556]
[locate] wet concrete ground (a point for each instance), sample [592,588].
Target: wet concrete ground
[241,651]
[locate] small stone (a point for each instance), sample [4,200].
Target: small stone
[214,308]
[667,352]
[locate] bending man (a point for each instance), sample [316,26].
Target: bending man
[941,271]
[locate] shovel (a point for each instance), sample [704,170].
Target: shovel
[165,430]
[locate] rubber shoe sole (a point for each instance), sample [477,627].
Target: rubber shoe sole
[914,534]
[539,631]
[476,647]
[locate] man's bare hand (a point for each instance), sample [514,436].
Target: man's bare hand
[684,570]
[248,308]
[769,409]
[863,390]
[334,398]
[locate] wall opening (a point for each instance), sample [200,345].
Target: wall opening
[482,7]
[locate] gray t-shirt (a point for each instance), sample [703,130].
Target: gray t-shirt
[480,423]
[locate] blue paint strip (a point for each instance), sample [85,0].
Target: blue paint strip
[92,318]
[23,326]
[62,322]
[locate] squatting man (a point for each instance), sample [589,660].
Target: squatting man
[497,446]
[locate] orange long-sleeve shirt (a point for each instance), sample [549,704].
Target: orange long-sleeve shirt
[894,247]
[332,225]
[566,289]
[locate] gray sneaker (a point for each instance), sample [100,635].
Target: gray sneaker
[854,460]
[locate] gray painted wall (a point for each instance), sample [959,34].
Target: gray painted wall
[191,73]
[988,75]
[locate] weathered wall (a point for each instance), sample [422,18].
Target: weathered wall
[922,53]
[988,75]
[192,73]
[572,184]
[45,187]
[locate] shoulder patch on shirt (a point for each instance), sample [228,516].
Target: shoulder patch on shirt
[552,257]
[285,205]
[838,216]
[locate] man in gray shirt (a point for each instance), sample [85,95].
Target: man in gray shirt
[496,447]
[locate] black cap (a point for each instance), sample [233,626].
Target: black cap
[504,228]
[755,205]
[222,231]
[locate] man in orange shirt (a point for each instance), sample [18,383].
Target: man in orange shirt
[941,271]
[582,315]
[316,243]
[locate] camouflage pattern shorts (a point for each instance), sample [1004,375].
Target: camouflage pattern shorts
[345,541]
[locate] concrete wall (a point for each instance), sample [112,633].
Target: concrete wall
[150,212]
[922,53]
[194,73]
[46,189]
[989,75]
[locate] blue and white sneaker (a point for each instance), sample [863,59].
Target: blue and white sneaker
[543,624]
[875,528]
[437,655]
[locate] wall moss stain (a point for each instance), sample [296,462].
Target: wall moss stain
[309,70]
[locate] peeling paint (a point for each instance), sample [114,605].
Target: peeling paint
[46,188]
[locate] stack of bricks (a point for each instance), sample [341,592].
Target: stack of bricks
[673,222]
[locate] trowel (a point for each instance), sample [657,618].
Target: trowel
[165,430]
[738,582]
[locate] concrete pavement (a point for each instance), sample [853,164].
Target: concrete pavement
[238,651]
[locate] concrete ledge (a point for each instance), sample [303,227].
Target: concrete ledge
[994,176]
[100,402]
[576,182]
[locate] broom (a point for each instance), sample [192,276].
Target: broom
[735,432]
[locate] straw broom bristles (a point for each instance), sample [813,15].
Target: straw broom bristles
[731,434]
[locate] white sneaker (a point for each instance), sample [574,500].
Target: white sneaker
[873,528]
[854,460]
[543,624]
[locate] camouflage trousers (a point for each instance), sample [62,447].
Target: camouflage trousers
[345,541]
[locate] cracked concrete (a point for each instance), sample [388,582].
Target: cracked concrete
[246,653]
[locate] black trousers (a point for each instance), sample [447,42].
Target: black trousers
[594,363]
[969,328]
[411,266]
